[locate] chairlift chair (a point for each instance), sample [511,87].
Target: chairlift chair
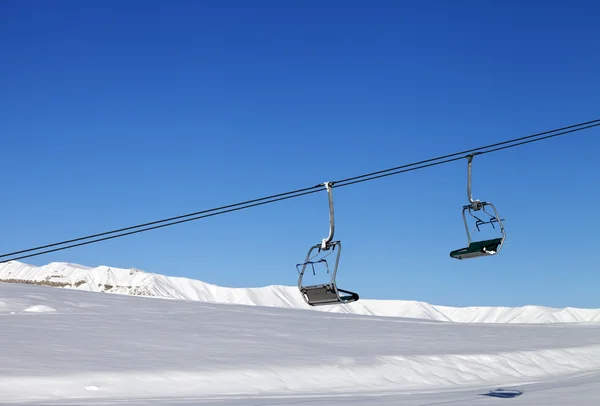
[479,248]
[325,293]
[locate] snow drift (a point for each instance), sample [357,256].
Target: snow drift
[136,282]
[113,349]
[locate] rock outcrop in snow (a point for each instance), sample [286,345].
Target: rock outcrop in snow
[136,282]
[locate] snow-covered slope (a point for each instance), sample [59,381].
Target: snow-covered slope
[136,282]
[63,346]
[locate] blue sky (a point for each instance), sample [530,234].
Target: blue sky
[116,113]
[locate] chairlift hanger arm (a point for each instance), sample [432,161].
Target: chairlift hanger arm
[325,243]
[475,204]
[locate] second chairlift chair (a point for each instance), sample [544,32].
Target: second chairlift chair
[484,247]
[326,293]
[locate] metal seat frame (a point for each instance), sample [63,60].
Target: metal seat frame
[475,206]
[327,293]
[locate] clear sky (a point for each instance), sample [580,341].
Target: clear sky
[114,113]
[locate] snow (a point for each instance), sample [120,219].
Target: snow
[214,344]
[136,282]
[108,349]
[40,309]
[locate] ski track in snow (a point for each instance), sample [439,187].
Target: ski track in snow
[107,349]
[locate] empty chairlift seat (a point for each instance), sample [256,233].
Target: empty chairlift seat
[324,293]
[327,294]
[478,213]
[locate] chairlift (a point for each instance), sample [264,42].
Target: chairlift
[326,293]
[477,210]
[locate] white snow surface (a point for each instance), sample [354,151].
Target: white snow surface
[137,282]
[39,309]
[114,349]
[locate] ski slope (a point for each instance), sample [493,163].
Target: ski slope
[65,346]
[136,282]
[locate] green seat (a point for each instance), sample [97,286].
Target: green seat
[477,249]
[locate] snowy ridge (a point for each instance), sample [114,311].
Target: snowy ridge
[136,282]
[410,373]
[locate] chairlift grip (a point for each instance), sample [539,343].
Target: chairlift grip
[325,242]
